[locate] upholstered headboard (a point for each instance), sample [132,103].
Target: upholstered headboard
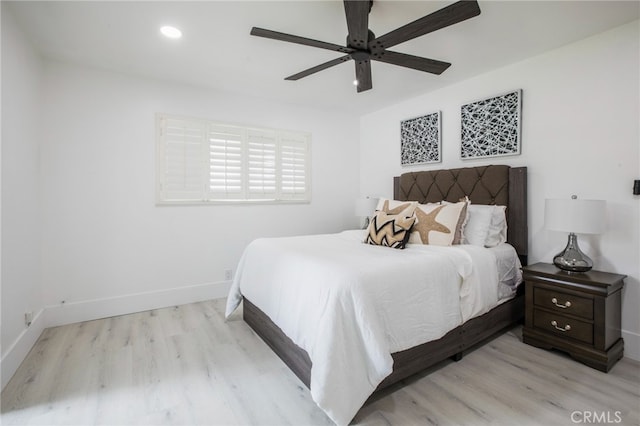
[501,185]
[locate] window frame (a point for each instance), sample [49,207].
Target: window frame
[194,160]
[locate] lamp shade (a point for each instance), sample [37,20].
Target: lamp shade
[365,206]
[575,215]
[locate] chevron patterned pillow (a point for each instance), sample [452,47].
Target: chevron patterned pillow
[389,230]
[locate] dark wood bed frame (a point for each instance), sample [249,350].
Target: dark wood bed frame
[501,185]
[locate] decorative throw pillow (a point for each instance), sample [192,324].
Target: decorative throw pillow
[389,230]
[401,208]
[439,224]
[462,222]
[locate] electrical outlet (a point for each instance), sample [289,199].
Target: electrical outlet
[228,274]
[28,318]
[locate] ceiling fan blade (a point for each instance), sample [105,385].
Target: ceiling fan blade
[261,32]
[415,62]
[317,68]
[452,14]
[363,75]
[357,13]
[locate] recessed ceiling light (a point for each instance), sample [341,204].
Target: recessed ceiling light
[171,32]
[355,82]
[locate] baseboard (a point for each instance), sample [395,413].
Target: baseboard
[20,348]
[631,345]
[87,310]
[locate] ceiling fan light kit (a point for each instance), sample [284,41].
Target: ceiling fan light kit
[362,46]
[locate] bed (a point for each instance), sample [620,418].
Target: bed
[489,185]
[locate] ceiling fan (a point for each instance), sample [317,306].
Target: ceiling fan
[363,46]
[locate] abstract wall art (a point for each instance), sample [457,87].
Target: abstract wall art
[491,127]
[420,140]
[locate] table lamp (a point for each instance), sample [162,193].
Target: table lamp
[576,217]
[365,207]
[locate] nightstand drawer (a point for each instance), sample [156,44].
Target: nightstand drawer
[561,325]
[563,303]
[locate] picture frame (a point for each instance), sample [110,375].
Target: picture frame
[491,127]
[420,140]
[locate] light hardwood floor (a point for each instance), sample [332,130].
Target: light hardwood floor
[186,366]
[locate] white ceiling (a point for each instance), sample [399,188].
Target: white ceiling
[217,51]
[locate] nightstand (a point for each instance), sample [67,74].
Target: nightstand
[578,313]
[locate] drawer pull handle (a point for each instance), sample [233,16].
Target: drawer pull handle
[555,324]
[566,305]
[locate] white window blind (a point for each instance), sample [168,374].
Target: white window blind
[201,161]
[293,157]
[181,160]
[225,162]
[262,167]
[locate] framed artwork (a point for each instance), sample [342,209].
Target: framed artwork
[491,127]
[420,140]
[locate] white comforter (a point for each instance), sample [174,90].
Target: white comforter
[350,305]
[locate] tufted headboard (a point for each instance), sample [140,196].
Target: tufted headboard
[502,185]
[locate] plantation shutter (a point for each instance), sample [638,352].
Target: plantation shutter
[201,161]
[261,167]
[225,162]
[181,160]
[294,158]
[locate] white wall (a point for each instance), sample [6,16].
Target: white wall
[20,270]
[580,136]
[107,247]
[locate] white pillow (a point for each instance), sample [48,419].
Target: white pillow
[486,225]
[478,222]
[498,229]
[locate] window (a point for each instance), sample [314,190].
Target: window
[201,161]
